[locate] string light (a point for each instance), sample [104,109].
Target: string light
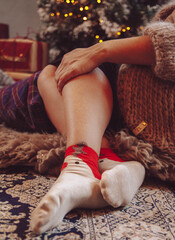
[82,15]
[123,30]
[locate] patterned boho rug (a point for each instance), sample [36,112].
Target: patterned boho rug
[150,215]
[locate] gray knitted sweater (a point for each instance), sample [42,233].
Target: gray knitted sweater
[162,35]
[147,100]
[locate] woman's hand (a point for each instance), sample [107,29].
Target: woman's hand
[134,50]
[77,62]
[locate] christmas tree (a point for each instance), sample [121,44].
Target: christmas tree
[68,24]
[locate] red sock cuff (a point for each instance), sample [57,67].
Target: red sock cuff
[87,154]
[108,153]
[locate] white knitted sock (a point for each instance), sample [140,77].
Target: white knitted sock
[75,187]
[120,181]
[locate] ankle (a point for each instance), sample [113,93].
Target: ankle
[81,156]
[105,143]
[109,154]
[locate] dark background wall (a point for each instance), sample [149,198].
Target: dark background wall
[19,15]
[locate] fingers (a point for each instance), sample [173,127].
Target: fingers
[61,82]
[73,64]
[64,71]
[62,76]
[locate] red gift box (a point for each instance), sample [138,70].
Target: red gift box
[4,30]
[23,55]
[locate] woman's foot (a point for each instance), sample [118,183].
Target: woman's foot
[75,187]
[120,183]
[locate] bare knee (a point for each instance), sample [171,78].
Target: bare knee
[46,77]
[95,81]
[101,81]
[51,97]
[91,95]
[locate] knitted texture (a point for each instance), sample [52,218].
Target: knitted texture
[164,11]
[144,97]
[148,94]
[129,147]
[162,34]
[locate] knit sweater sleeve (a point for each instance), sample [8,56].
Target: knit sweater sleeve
[162,35]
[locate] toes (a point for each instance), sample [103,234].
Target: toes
[37,226]
[43,217]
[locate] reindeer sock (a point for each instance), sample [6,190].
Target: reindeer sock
[107,159]
[77,186]
[85,154]
[120,179]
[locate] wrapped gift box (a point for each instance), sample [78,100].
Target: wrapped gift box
[23,55]
[4,30]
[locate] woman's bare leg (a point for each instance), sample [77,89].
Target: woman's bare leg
[73,115]
[53,101]
[83,110]
[86,106]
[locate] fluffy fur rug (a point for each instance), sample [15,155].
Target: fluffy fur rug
[45,152]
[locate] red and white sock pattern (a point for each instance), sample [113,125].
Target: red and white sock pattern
[77,186]
[107,159]
[109,154]
[87,155]
[120,179]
